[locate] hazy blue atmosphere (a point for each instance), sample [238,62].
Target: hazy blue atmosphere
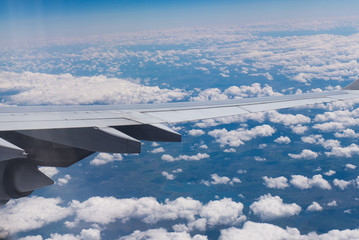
[288,174]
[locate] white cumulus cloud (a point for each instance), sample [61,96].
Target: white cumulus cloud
[237,137]
[163,234]
[197,157]
[305,154]
[314,207]
[221,180]
[288,119]
[196,132]
[63,181]
[278,182]
[104,158]
[350,166]
[168,176]
[330,173]
[223,212]
[30,213]
[303,182]
[299,129]
[282,140]
[41,88]
[49,171]
[341,184]
[255,231]
[158,150]
[269,207]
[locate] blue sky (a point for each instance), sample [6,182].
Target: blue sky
[24,19]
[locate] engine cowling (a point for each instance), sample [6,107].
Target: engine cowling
[20,178]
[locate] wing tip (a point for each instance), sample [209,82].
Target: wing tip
[352,86]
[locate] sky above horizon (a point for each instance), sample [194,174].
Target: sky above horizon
[39,19]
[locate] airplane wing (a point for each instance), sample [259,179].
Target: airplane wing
[59,136]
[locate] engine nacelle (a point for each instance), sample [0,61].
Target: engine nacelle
[20,178]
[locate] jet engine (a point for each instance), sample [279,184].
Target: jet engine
[20,179]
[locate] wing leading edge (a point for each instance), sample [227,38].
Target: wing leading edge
[62,135]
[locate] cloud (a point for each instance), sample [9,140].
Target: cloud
[178,170]
[203,146]
[269,208]
[329,126]
[259,117]
[37,237]
[253,90]
[262,146]
[210,94]
[342,116]
[306,154]
[230,150]
[41,88]
[267,75]
[197,157]
[350,166]
[105,210]
[319,140]
[314,207]
[298,58]
[109,209]
[235,138]
[293,121]
[49,171]
[221,180]
[30,213]
[347,133]
[337,121]
[330,173]
[163,234]
[202,69]
[299,129]
[254,231]
[347,152]
[155,144]
[303,182]
[278,182]
[158,150]
[235,180]
[341,184]
[282,140]
[244,91]
[63,181]
[104,158]
[332,203]
[348,211]
[196,132]
[168,176]
[259,159]
[223,212]
[86,234]
[288,119]
[312,139]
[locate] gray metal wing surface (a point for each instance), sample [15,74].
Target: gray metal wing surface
[59,136]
